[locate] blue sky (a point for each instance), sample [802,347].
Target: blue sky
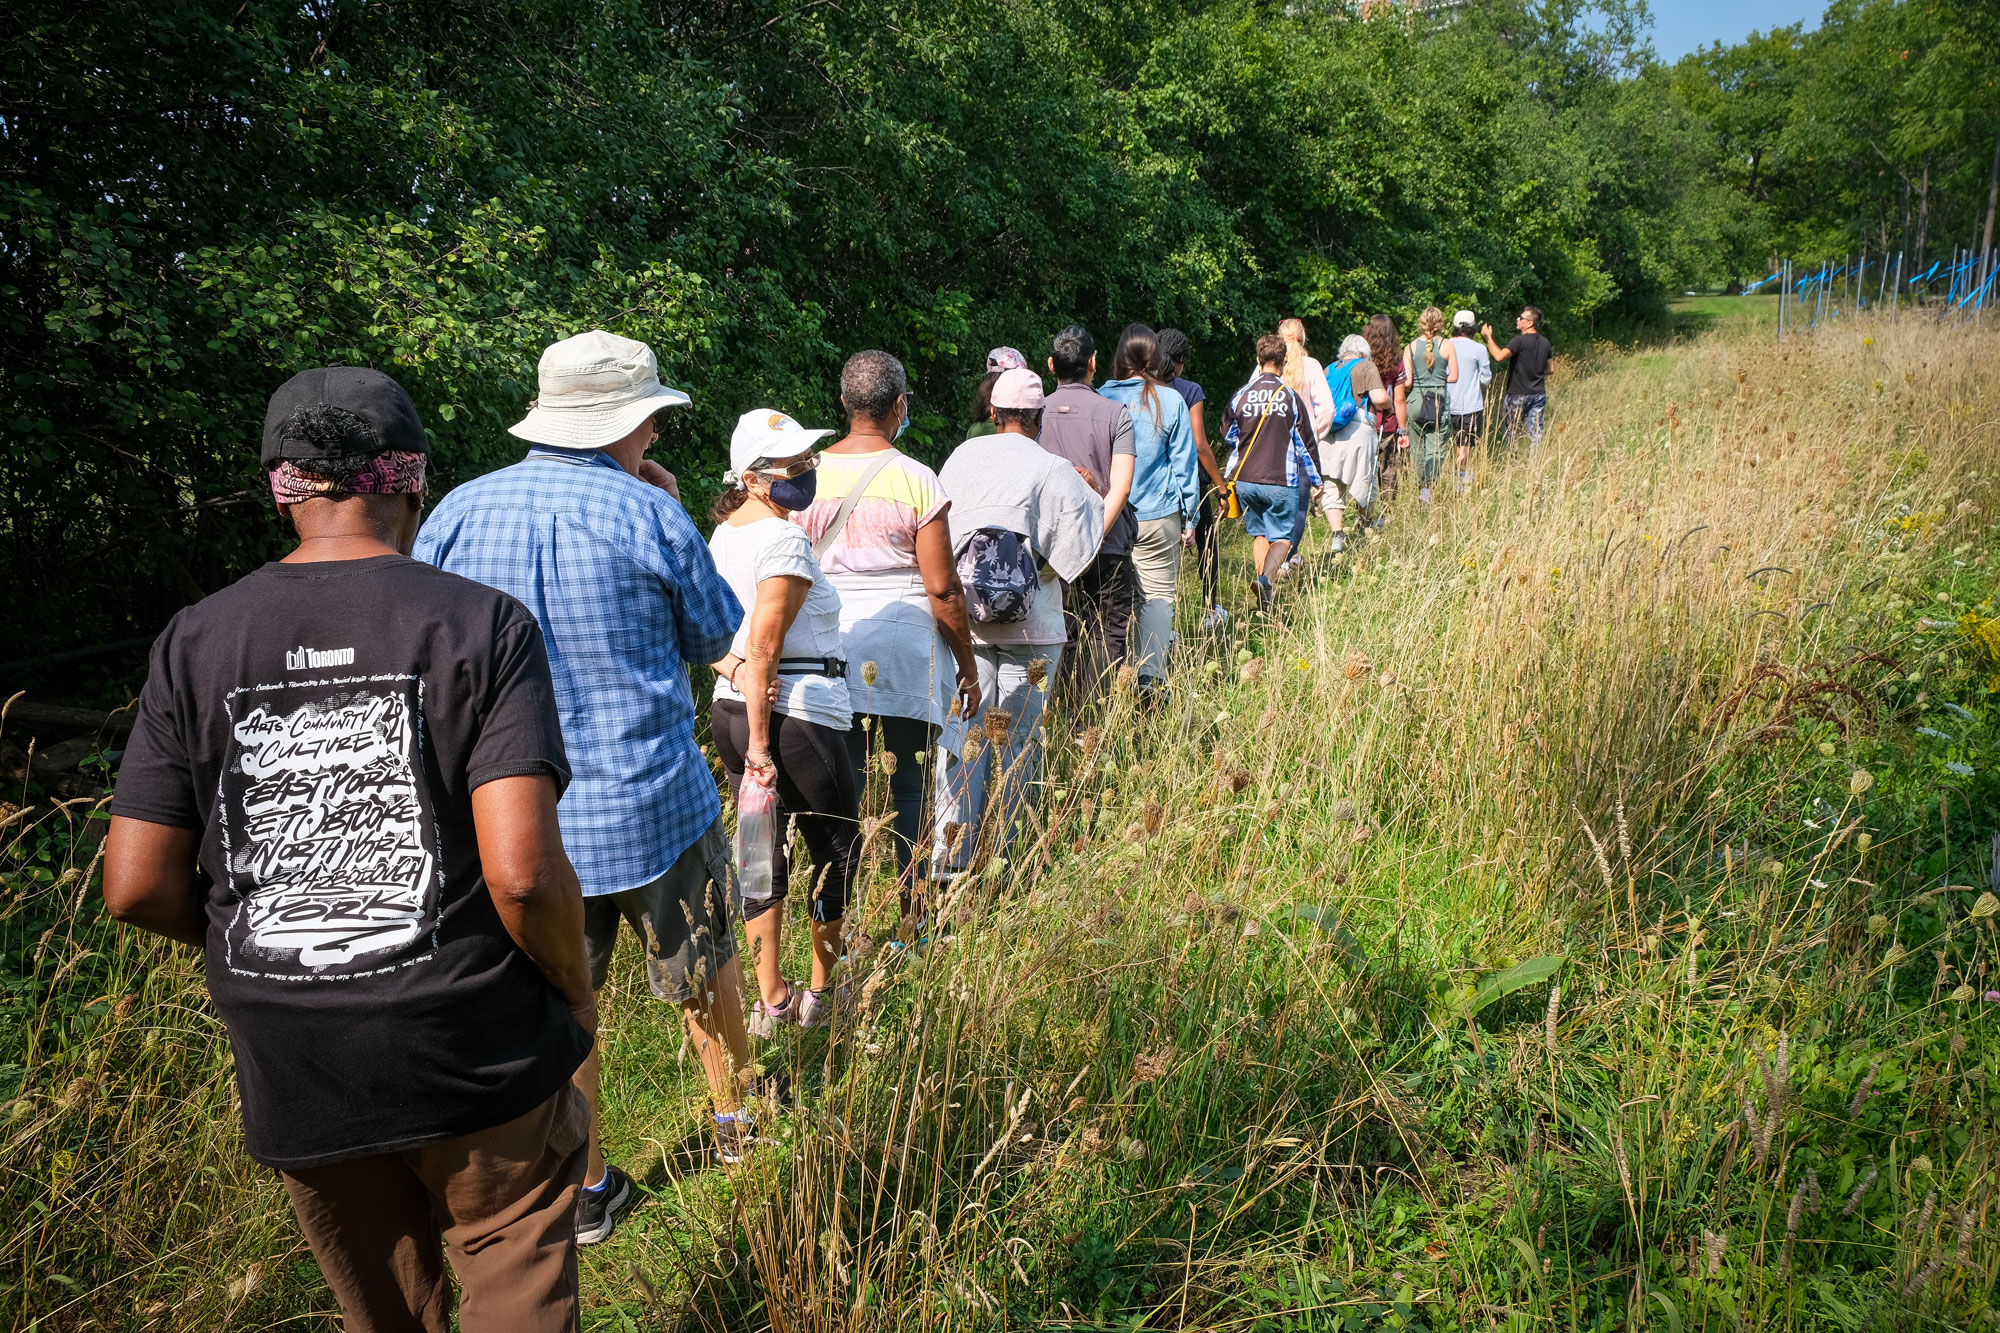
[1680,26]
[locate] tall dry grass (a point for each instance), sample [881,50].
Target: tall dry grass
[1209,1048]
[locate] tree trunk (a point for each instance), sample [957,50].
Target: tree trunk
[1992,192]
[1923,212]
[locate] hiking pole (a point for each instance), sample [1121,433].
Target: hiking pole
[1896,289]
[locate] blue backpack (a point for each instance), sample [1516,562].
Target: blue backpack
[1340,383]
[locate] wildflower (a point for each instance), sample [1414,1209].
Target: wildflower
[869,671]
[1858,782]
[1556,573]
[1962,770]
[1922,1166]
[1867,342]
[1993,997]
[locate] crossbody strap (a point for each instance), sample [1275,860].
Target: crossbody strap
[1244,461]
[840,517]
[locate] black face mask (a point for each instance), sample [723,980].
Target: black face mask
[792,494]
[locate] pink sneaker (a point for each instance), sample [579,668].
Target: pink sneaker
[766,1019]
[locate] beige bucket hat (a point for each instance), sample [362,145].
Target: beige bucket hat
[595,390]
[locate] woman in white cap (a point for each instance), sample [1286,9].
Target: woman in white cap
[781,713]
[1022,521]
[1467,394]
[1348,454]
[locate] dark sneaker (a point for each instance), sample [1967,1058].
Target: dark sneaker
[597,1209]
[1265,593]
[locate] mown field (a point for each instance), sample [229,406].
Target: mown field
[1574,910]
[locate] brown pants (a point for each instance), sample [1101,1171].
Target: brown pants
[502,1201]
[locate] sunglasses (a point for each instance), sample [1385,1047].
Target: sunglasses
[797,469]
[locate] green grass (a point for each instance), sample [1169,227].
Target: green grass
[1259,1029]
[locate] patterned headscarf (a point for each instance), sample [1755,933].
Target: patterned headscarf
[394,473]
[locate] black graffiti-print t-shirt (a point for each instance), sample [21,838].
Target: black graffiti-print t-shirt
[323,726]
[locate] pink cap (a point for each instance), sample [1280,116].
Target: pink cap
[1019,389]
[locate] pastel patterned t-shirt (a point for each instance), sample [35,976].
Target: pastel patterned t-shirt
[885,614]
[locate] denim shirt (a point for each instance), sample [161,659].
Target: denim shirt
[1166,478]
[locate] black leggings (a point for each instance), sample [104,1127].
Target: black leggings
[910,741]
[1208,552]
[815,791]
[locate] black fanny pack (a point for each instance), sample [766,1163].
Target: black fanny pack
[835,667]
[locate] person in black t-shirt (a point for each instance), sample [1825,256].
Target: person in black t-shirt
[1527,397]
[341,786]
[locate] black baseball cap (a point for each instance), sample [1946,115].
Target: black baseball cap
[386,414]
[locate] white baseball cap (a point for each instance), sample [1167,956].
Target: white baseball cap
[760,434]
[1464,317]
[595,389]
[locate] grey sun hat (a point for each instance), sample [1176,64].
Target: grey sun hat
[596,388]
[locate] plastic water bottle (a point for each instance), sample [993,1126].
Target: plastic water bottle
[756,837]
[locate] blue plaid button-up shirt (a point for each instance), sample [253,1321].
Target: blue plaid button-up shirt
[626,594]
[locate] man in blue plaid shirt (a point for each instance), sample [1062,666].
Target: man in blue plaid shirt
[589,535]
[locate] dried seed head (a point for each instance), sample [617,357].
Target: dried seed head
[1089,741]
[1859,781]
[1860,1189]
[1864,1092]
[1985,906]
[1253,669]
[888,762]
[1127,677]
[869,671]
[954,834]
[1550,1020]
[77,1095]
[1356,666]
[1343,811]
[1152,1065]
[1714,1245]
[998,724]
[1038,671]
[1154,816]
[1878,925]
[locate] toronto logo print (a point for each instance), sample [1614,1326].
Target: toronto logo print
[330,847]
[303,658]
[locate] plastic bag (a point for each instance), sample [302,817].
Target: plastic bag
[756,840]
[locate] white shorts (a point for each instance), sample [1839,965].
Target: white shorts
[1348,458]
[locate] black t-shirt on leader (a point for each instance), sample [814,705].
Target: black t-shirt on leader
[1530,359]
[323,726]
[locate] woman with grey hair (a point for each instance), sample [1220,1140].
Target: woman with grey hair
[878,527]
[1349,452]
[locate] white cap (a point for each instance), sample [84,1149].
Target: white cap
[762,434]
[1465,317]
[595,389]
